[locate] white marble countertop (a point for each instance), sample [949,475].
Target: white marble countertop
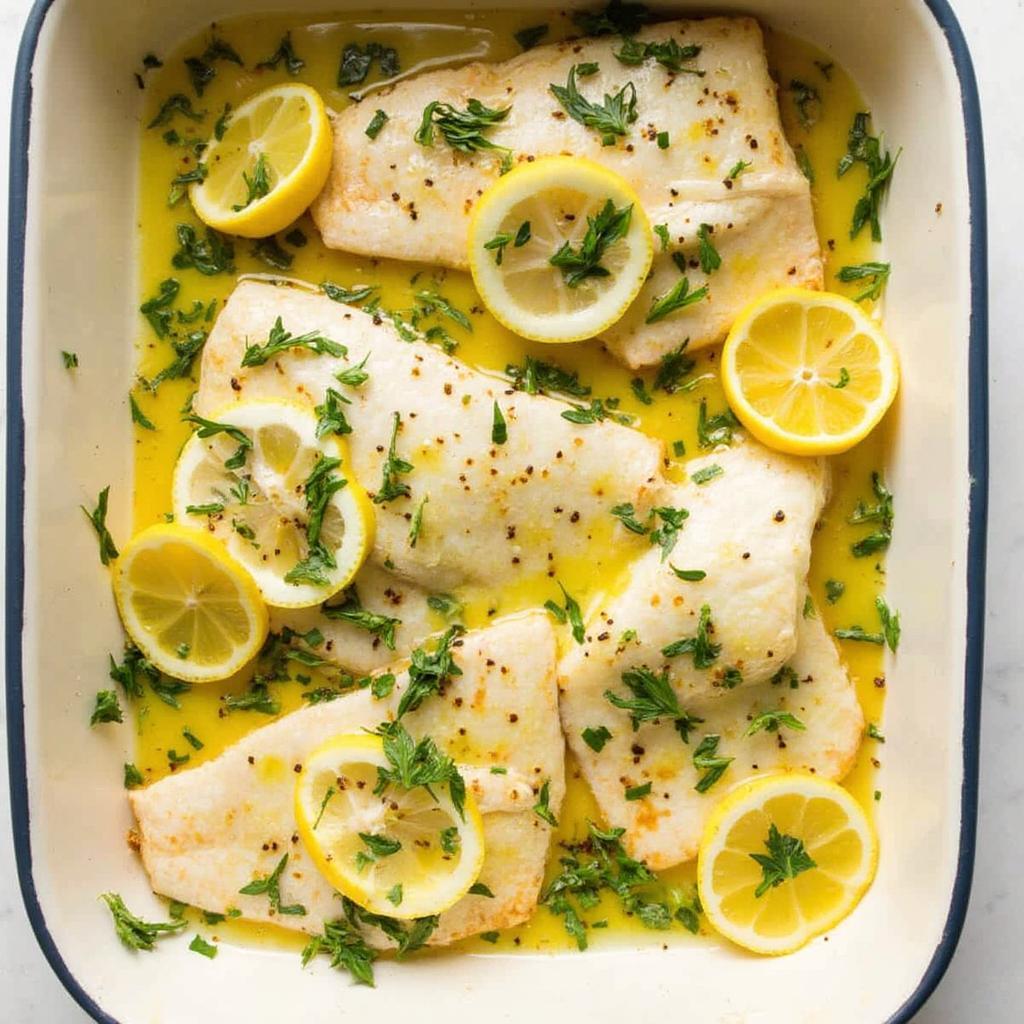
[985,981]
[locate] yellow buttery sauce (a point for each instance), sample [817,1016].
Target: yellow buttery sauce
[446,37]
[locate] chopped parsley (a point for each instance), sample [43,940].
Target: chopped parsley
[202,947]
[617,18]
[737,169]
[176,104]
[279,340]
[834,589]
[717,429]
[331,416]
[209,428]
[667,533]
[807,101]
[881,513]
[70,360]
[703,649]
[706,759]
[390,486]
[542,808]
[690,575]
[133,932]
[417,763]
[536,377]
[108,708]
[610,119]
[844,379]
[676,298]
[356,61]
[132,776]
[285,53]
[596,738]
[210,256]
[429,671]
[499,429]
[138,416]
[890,623]
[604,229]
[653,699]
[352,296]
[98,518]
[626,514]
[674,366]
[708,254]
[257,184]
[351,610]
[863,147]
[376,125]
[669,54]
[786,858]
[875,274]
[570,613]
[503,239]
[773,721]
[462,130]
[702,476]
[270,886]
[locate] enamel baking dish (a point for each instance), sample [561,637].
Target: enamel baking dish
[71,285]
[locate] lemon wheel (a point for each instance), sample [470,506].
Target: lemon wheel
[784,858]
[403,853]
[808,372]
[190,607]
[270,163]
[285,503]
[559,248]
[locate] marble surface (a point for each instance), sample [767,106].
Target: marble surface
[984,982]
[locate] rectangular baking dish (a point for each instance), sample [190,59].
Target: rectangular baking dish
[71,285]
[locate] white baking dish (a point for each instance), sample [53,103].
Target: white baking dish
[72,286]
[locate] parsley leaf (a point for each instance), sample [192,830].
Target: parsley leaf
[209,428]
[412,764]
[863,147]
[609,226]
[890,623]
[678,297]
[653,699]
[270,886]
[708,254]
[717,429]
[542,808]
[279,340]
[772,721]
[98,518]
[390,486]
[430,670]
[133,932]
[877,272]
[704,650]
[376,125]
[347,949]
[210,256]
[570,613]
[286,53]
[350,610]
[610,119]
[320,487]
[536,377]
[786,858]
[666,535]
[108,708]
[463,130]
[596,738]
[706,759]
[669,54]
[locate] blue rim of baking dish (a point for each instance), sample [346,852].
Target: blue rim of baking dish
[977,462]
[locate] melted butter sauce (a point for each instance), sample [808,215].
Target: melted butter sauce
[601,564]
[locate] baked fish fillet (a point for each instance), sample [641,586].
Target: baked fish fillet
[664,828]
[392,197]
[749,529]
[355,648]
[208,832]
[495,512]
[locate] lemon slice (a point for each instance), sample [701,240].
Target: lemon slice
[561,200]
[819,850]
[190,607]
[808,372]
[257,482]
[403,852]
[269,164]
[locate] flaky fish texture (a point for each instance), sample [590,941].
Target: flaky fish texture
[749,530]
[664,827]
[208,832]
[727,165]
[494,513]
